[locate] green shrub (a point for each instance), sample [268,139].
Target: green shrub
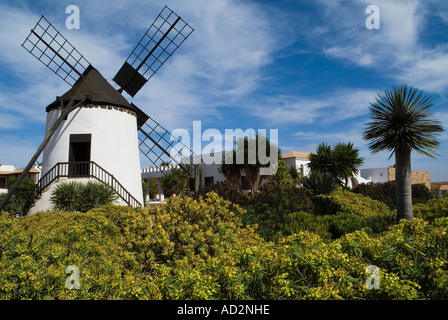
[200,249]
[275,200]
[416,252]
[66,196]
[344,212]
[320,182]
[77,196]
[225,190]
[386,193]
[20,197]
[95,194]
[304,221]
[434,208]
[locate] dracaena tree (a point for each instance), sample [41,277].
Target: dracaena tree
[400,122]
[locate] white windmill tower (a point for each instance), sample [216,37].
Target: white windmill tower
[92,131]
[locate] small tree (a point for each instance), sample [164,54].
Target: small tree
[251,164]
[176,181]
[21,196]
[153,187]
[341,161]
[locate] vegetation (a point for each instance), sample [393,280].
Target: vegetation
[82,197]
[289,240]
[19,198]
[341,161]
[176,182]
[247,162]
[201,249]
[386,192]
[400,122]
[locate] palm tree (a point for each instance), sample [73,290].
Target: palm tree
[347,161]
[250,169]
[341,161]
[400,122]
[232,171]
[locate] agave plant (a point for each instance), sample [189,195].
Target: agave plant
[66,196]
[77,196]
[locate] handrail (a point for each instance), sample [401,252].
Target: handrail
[84,169]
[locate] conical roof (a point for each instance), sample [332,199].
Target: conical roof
[98,90]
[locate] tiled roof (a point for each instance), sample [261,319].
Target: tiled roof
[296,154]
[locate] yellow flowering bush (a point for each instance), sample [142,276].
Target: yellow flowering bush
[200,249]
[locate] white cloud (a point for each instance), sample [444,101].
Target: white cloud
[341,104]
[396,50]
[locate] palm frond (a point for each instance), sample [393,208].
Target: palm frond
[400,118]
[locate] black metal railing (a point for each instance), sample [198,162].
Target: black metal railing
[85,169]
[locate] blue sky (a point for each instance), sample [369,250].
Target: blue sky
[307,68]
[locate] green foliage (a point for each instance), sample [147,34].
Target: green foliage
[431,210]
[153,187]
[225,190]
[94,195]
[283,173]
[176,182]
[345,212]
[246,160]
[416,252]
[341,161]
[77,196]
[20,197]
[320,182]
[401,117]
[273,202]
[200,249]
[386,192]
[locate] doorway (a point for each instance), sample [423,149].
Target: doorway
[79,155]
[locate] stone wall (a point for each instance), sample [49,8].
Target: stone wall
[416,177]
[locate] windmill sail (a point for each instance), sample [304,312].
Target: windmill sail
[162,39]
[51,48]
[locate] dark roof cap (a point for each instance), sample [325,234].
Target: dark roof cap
[98,90]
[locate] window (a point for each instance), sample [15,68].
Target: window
[245,185]
[209,181]
[3,183]
[192,184]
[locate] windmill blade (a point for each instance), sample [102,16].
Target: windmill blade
[162,39]
[159,146]
[51,48]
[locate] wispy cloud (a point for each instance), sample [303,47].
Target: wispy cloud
[396,50]
[328,108]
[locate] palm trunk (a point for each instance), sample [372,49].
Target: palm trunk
[403,183]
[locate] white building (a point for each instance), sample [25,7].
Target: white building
[8,171]
[97,141]
[209,172]
[298,160]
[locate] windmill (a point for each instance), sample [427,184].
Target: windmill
[92,131]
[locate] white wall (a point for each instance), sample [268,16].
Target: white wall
[376,174]
[297,162]
[114,144]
